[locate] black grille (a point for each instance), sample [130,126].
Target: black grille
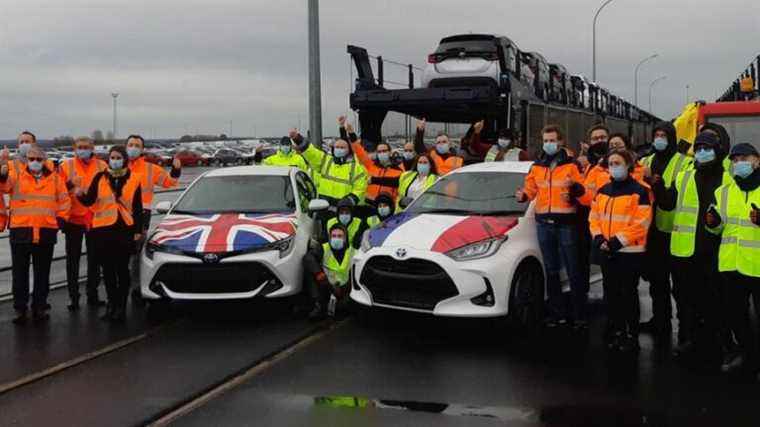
[413,283]
[213,278]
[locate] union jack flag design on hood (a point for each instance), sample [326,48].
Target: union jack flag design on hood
[226,232]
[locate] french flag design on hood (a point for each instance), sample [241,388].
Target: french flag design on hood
[438,233]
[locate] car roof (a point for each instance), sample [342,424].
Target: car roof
[503,167]
[250,171]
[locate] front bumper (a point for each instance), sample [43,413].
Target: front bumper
[183,277]
[431,282]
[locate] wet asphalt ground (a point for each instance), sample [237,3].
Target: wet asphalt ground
[258,363]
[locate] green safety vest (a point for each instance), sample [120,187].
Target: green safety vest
[664,219]
[353,227]
[374,221]
[281,159]
[337,272]
[333,180]
[740,242]
[513,154]
[685,214]
[405,181]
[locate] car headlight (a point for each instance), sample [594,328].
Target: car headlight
[477,250]
[366,245]
[285,246]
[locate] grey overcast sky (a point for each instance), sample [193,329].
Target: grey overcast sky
[192,66]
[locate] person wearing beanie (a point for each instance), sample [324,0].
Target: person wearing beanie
[694,251]
[662,166]
[736,219]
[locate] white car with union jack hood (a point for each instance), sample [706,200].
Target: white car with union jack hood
[235,233]
[463,248]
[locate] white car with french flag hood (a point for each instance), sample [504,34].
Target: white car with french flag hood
[463,248]
[235,233]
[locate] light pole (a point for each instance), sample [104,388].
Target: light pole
[687,94]
[593,67]
[651,86]
[636,78]
[113,129]
[315,80]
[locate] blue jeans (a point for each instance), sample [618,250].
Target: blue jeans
[559,246]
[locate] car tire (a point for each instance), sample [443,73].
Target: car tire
[526,297]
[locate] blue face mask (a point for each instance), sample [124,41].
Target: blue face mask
[743,168]
[384,211]
[408,155]
[84,153]
[703,155]
[443,148]
[384,158]
[340,152]
[24,148]
[337,243]
[660,144]
[115,164]
[423,168]
[285,149]
[134,152]
[618,172]
[344,218]
[551,148]
[35,166]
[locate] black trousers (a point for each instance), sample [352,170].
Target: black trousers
[739,290]
[114,248]
[21,255]
[698,288]
[657,273]
[75,233]
[312,264]
[621,273]
[135,260]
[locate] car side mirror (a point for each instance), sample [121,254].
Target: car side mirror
[406,201]
[317,205]
[163,207]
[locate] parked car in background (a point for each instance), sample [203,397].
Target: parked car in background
[154,157]
[190,158]
[540,69]
[225,157]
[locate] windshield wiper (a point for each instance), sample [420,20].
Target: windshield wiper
[446,211]
[184,212]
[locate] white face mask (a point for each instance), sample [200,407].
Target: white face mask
[504,143]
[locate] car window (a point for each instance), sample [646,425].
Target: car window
[306,190]
[239,194]
[740,128]
[474,193]
[478,45]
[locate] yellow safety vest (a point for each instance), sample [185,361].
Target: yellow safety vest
[682,237]
[374,221]
[281,159]
[337,181]
[513,154]
[664,219]
[337,272]
[353,227]
[740,242]
[405,181]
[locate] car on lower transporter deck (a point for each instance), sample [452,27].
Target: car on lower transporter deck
[463,248]
[235,233]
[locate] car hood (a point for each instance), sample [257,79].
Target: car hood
[437,232]
[227,232]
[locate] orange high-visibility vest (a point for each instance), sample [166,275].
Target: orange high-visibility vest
[151,175]
[71,168]
[625,216]
[36,203]
[107,207]
[548,187]
[442,166]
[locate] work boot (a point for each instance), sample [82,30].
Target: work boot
[20,318]
[119,315]
[318,312]
[40,316]
[733,362]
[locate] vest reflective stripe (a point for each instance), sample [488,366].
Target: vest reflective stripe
[492,153]
[39,209]
[685,219]
[326,173]
[32,211]
[664,219]
[148,188]
[337,272]
[740,240]
[353,227]
[512,155]
[373,221]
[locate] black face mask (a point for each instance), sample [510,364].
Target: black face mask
[597,151]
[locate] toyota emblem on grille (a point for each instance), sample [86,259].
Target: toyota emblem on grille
[401,252]
[211,258]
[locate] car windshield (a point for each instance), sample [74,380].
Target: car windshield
[475,193]
[237,194]
[740,128]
